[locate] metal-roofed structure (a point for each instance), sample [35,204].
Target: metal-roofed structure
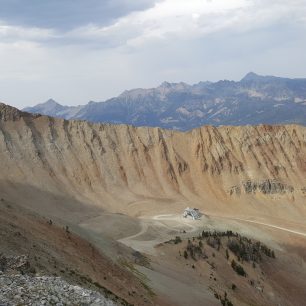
[194,213]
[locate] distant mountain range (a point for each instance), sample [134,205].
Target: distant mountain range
[253,100]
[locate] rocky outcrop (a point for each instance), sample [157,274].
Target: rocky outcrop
[12,113]
[266,187]
[235,190]
[46,290]
[15,264]
[20,286]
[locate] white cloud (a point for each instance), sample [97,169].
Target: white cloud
[178,19]
[175,40]
[13,33]
[194,18]
[170,17]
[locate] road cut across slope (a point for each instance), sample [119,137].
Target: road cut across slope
[161,228]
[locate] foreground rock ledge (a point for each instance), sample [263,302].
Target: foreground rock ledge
[44,290]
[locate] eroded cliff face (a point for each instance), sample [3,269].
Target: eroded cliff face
[108,164]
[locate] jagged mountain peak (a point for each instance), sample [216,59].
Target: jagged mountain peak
[174,86]
[49,107]
[255,99]
[133,92]
[165,84]
[251,76]
[50,103]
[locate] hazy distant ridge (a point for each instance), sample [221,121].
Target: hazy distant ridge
[253,100]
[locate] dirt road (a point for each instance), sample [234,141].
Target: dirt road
[160,228]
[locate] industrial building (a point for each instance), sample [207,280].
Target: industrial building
[194,213]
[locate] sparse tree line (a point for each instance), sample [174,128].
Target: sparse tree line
[235,248]
[243,248]
[223,299]
[247,250]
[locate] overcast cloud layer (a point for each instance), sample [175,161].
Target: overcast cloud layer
[75,51]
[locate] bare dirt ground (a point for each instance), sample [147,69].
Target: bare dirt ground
[169,276]
[159,228]
[54,250]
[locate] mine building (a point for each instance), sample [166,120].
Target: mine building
[194,213]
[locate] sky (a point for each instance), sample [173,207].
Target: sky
[75,51]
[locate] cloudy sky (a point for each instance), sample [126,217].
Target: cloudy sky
[80,50]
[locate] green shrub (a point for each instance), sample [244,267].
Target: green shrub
[238,268]
[185,254]
[177,240]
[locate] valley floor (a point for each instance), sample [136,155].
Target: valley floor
[169,276]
